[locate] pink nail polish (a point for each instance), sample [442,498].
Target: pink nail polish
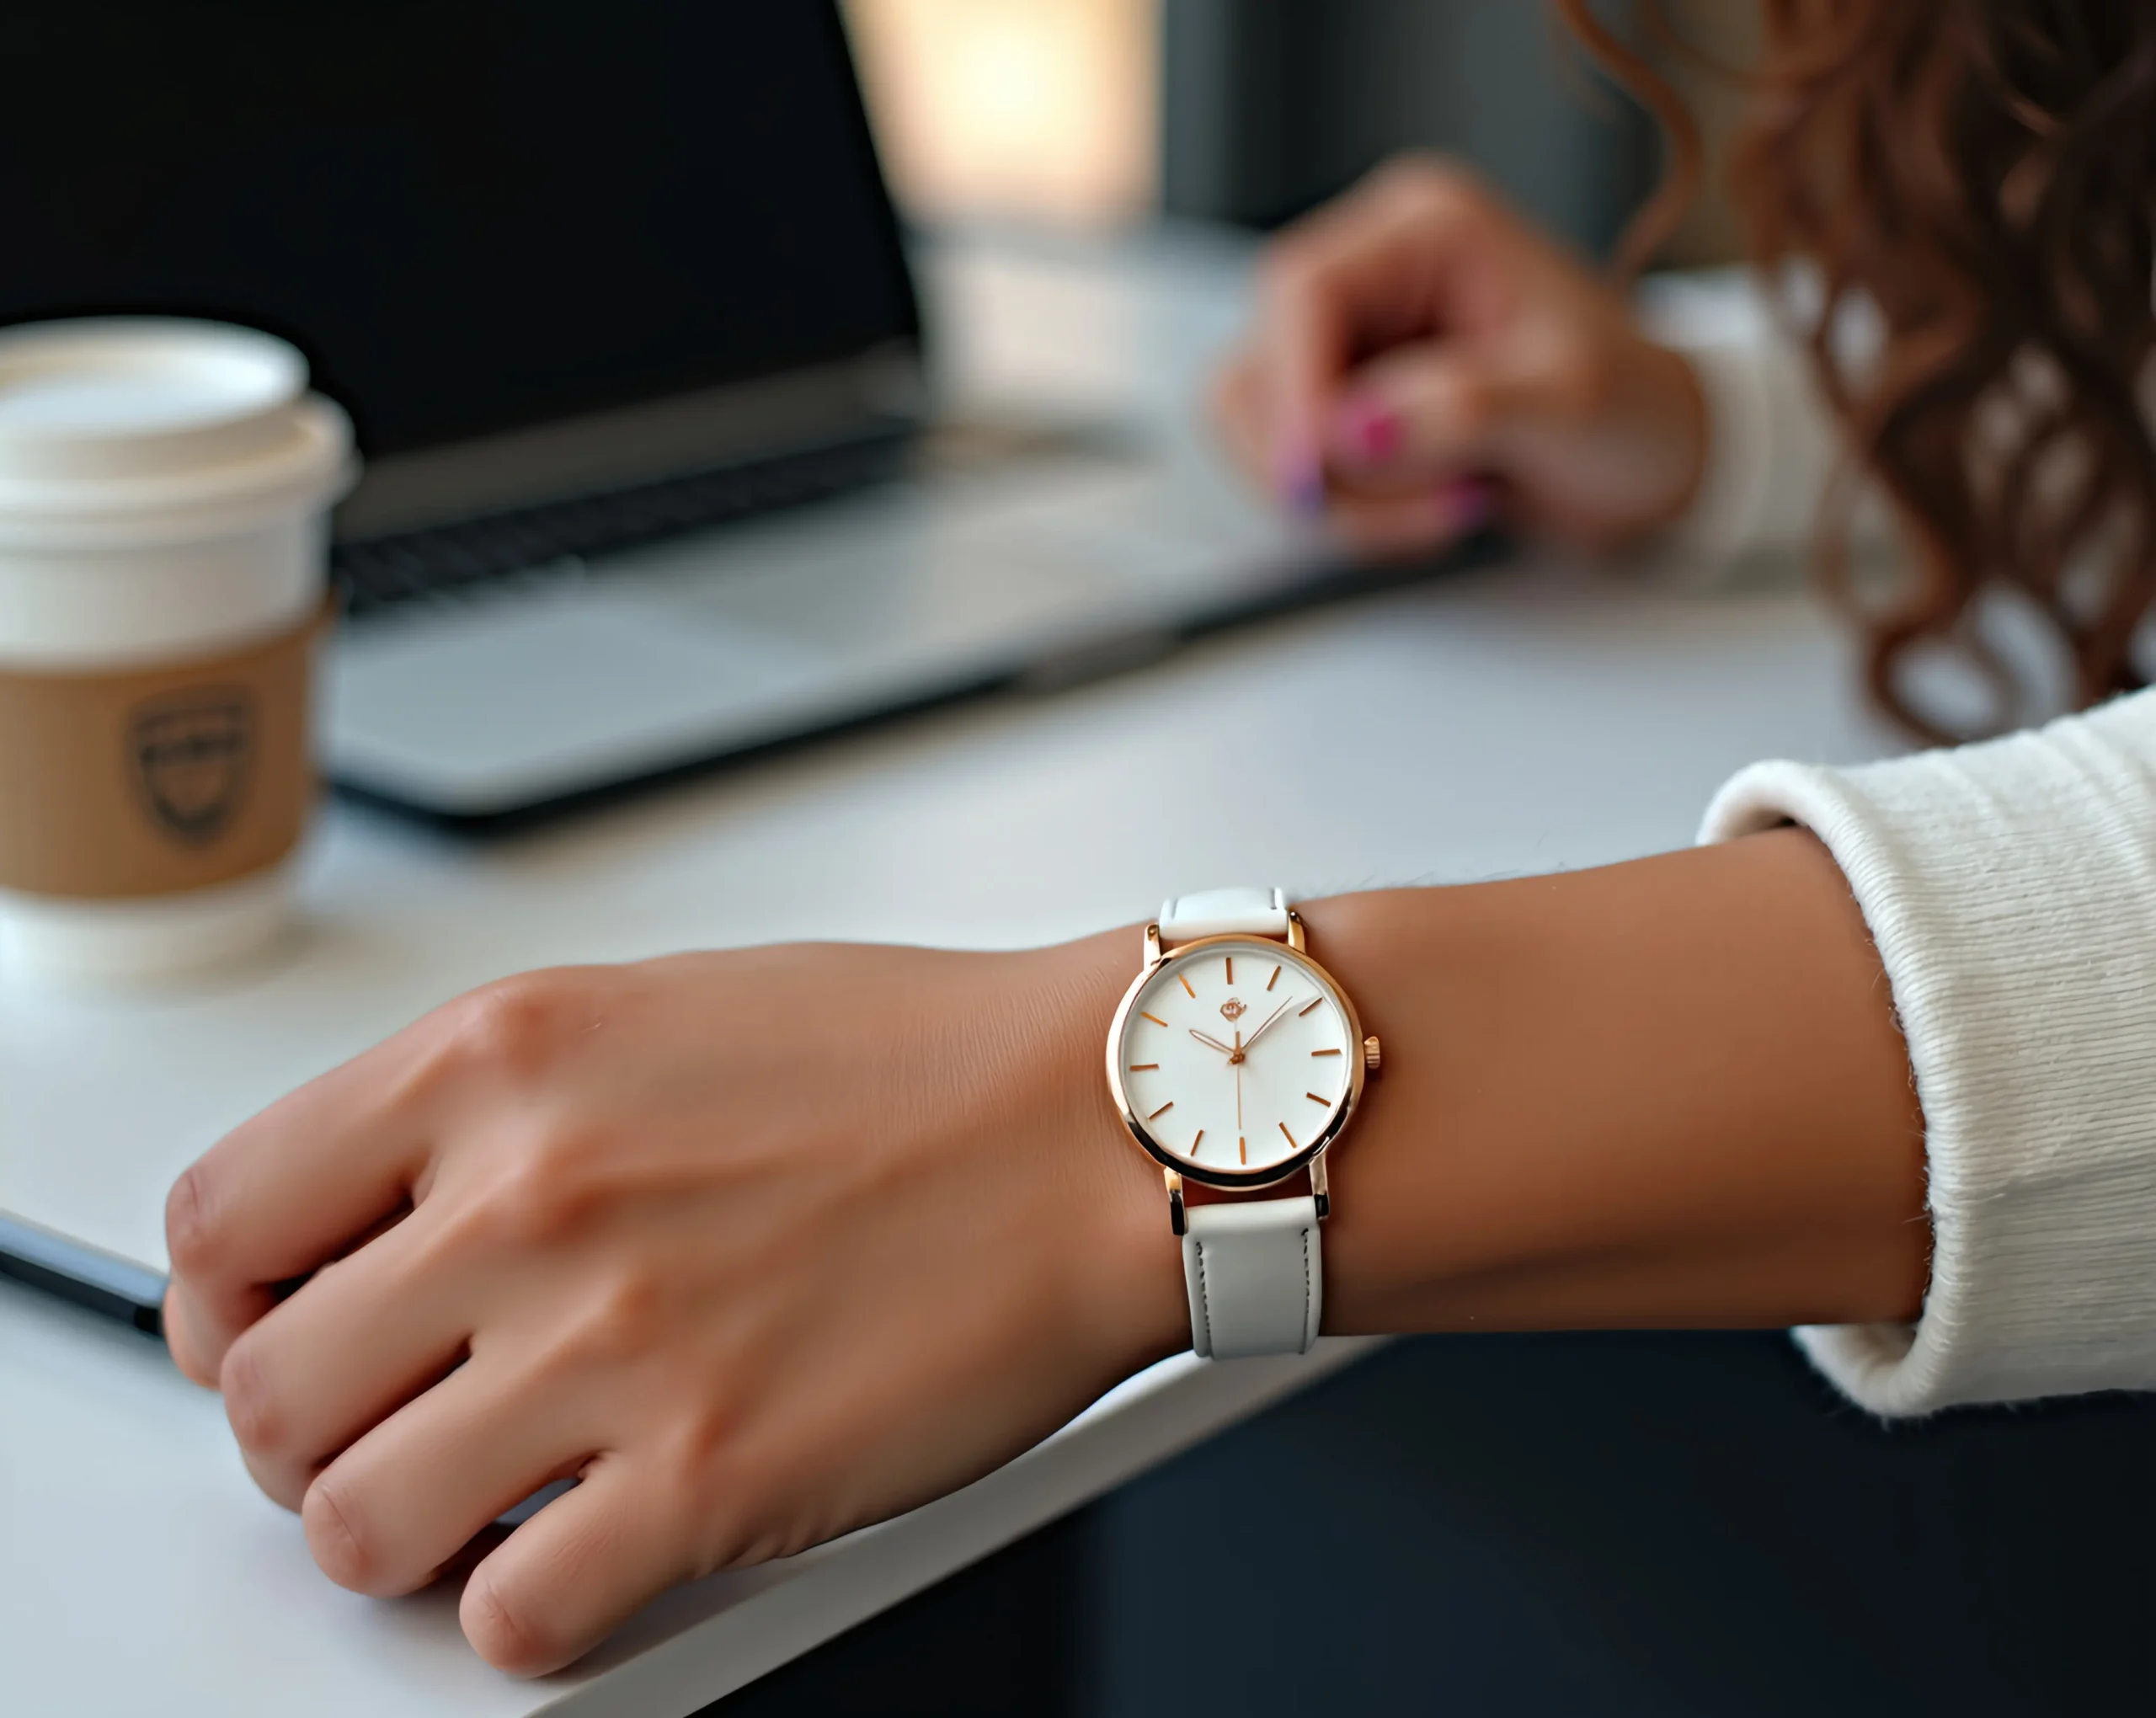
[1374,431]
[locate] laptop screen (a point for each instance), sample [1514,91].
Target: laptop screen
[470,215]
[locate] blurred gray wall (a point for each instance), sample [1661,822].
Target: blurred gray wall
[1271,106]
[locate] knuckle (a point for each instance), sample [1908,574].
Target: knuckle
[1434,184]
[527,1207]
[623,1316]
[506,1025]
[338,1535]
[630,1309]
[704,1452]
[544,1194]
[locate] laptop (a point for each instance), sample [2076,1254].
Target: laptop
[617,300]
[657,470]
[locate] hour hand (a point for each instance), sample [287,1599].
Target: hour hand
[1212,1043]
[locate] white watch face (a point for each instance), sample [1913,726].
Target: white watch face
[1235,1057]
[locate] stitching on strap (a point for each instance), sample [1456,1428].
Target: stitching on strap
[1308,1294]
[1204,1302]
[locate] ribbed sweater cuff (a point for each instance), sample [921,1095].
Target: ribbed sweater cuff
[2011,889]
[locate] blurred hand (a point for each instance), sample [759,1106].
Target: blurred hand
[1423,360]
[759,1247]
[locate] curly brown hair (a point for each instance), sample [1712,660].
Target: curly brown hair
[1977,179]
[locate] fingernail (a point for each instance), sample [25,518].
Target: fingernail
[1468,504]
[1300,479]
[1371,430]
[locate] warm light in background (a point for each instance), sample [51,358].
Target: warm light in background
[1040,111]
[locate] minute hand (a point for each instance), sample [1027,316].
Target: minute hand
[1269,1019]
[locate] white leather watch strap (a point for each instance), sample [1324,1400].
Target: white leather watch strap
[1255,1280]
[1223,912]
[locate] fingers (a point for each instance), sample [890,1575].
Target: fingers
[1394,494]
[1422,413]
[363,1338]
[574,1573]
[385,1515]
[283,1193]
[1366,271]
[1385,502]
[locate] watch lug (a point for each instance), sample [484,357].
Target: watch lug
[1295,938]
[1152,945]
[1176,1220]
[1320,1188]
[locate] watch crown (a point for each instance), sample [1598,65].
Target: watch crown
[1372,1054]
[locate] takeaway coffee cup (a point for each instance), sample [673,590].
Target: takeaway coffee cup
[164,495]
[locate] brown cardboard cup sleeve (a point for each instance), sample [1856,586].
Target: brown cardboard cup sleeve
[153,780]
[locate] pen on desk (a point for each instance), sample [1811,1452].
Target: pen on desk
[88,1276]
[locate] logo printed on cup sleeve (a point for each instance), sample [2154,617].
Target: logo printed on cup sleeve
[193,753]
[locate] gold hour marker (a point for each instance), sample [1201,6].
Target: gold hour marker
[1314,1098]
[1231,969]
[1274,979]
[1163,1109]
[1242,1150]
[1154,1018]
[1148,1067]
[1325,1053]
[1291,1138]
[1315,1000]
[1197,1142]
[1186,990]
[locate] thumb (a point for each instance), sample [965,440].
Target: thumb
[1420,414]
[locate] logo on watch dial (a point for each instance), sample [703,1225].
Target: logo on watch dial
[1233,1009]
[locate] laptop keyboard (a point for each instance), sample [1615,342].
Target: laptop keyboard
[378,573]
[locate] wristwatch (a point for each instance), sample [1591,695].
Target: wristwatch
[1237,1061]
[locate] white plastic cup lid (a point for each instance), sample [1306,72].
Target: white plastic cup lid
[105,418]
[111,398]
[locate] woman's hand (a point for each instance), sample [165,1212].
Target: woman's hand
[1423,360]
[759,1246]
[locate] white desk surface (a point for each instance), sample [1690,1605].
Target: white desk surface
[1512,721]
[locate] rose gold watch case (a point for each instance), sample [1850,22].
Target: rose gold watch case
[1312,1154]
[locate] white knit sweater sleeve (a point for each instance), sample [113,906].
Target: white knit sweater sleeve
[1772,446]
[2010,887]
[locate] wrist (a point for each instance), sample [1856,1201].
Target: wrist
[1667,1093]
[1674,406]
[1124,1305]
